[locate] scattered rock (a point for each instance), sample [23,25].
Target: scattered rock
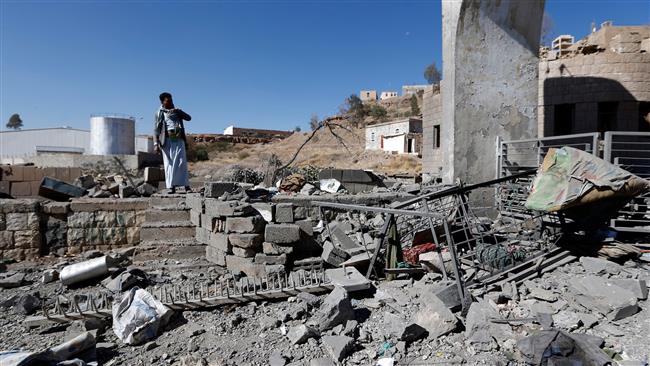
[27,304]
[277,359]
[336,309]
[12,281]
[338,347]
[50,275]
[301,333]
[595,293]
[434,316]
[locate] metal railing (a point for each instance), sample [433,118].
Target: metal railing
[630,151]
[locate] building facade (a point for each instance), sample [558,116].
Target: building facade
[402,136]
[256,132]
[387,95]
[368,95]
[600,83]
[413,89]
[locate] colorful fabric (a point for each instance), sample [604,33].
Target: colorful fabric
[412,254]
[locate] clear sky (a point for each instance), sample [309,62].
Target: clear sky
[265,64]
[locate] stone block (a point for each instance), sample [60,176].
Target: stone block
[220,241]
[133,235]
[435,317]
[33,221]
[300,213]
[338,347]
[126,191]
[274,249]
[243,252]
[5,187]
[284,213]
[100,204]
[306,228]
[195,202]
[195,218]
[28,239]
[282,233]
[76,237]
[55,208]
[252,224]
[332,254]
[3,222]
[6,240]
[215,255]
[270,259]
[16,221]
[122,218]
[12,173]
[22,189]
[81,220]
[299,334]
[202,235]
[217,189]
[336,309]
[105,219]
[597,294]
[249,241]
[113,236]
[219,208]
[246,265]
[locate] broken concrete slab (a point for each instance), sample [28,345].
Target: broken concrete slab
[282,233]
[480,332]
[301,333]
[15,280]
[595,293]
[336,309]
[434,316]
[599,265]
[349,278]
[402,329]
[338,347]
[638,287]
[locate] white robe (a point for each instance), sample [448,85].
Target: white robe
[175,161]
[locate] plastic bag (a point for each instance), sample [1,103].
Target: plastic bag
[138,316]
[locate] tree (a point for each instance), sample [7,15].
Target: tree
[313,122]
[547,30]
[356,108]
[431,74]
[415,108]
[297,129]
[377,111]
[15,122]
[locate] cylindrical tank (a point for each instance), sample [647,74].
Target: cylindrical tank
[112,135]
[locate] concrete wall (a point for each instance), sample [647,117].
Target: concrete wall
[586,80]
[432,158]
[367,95]
[490,81]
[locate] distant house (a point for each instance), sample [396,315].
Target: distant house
[387,95]
[368,95]
[413,89]
[402,136]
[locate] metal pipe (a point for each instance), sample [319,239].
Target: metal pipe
[83,271]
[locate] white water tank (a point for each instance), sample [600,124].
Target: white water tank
[112,134]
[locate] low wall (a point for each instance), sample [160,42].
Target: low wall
[30,228]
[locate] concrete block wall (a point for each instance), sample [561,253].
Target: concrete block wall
[20,230]
[256,239]
[30,228]
[24,181]
[432,159]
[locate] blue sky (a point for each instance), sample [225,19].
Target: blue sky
[266,64]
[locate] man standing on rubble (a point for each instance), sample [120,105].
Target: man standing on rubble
[169,138]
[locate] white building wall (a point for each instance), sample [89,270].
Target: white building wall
[395,144]
[229,130]
[24,142]
[374,133]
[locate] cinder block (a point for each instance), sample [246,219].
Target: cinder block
[246,265]
[21,189]
[249,241]
[29,173]
[5,187]
[332,254]
[274,249]
[202,235]
[154,175]
[282,233]
[195,218]
[12,173]
[220,241]
[62,174]
[195,202]
[243,252]
[74,173]
[284,213]
[306,228]
[270,259]
[252,224]
[217,189]
[215,256]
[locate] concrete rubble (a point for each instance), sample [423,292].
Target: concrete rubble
[247,289]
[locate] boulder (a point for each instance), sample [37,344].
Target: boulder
[336,309]
[301,333]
